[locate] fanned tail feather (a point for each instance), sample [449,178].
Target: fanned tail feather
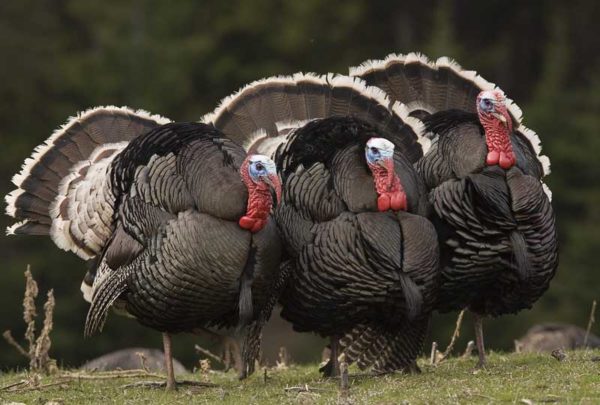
[252,340]
[105,293]
[385,349]
[256,116]
[61,189]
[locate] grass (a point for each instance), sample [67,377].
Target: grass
[509,378]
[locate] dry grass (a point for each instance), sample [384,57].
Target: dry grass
[38,348]
[510,378]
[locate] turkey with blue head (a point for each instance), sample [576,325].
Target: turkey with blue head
[362,257]
[173,219]
[484,175]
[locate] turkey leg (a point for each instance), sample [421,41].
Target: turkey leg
[171,384]
[479,340]
[335,364]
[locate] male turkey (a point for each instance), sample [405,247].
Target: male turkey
[483,172]
[173,217]
[363,258]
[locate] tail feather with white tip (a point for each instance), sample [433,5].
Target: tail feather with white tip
[63,189]
[261,114]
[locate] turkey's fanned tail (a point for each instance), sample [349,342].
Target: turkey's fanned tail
[260,115]
[62,188]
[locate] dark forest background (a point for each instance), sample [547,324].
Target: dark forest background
[179,58]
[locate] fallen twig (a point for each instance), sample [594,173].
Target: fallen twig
[65,378]
[283,359]
[469,349]
[344,384]
[143,359]
[433,350]
[208,353]
[11,341]
[37,387]
[6,387]
[159,384]
[305,388]
[455,336]
[107,375]
[590,323]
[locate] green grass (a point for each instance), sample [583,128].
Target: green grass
[510,378]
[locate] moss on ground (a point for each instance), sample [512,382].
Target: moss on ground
[509,378]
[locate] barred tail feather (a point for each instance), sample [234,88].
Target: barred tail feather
[67,172]
[258,116]
[386,349]
[106,291]
[253,337]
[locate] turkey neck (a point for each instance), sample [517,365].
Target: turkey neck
[497,138]
[259,201]
[385,178]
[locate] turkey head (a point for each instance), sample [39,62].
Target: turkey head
[264,189]
[497,124]
[379,153]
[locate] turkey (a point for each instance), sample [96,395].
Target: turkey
[173,218]
[484,175]
[363,259]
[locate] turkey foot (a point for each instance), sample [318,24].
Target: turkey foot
[479,340]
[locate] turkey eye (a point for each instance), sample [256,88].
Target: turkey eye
[259,167]
[374,150]
[486,104]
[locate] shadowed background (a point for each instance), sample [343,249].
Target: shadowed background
[178,59]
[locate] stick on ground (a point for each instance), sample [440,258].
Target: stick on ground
[590,323]
[433,353]
[455,336]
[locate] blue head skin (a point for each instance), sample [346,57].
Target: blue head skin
[261,168]
[378,151]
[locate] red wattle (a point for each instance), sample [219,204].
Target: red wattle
[247,222]
[492,158]
[398,201]
[383,203]
[497,138]
[507,160]
[395,201]
[259,200]
[258,225]
[391,195]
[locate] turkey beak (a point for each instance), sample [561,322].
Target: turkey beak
[501,118]
[272,180]
[382,163]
